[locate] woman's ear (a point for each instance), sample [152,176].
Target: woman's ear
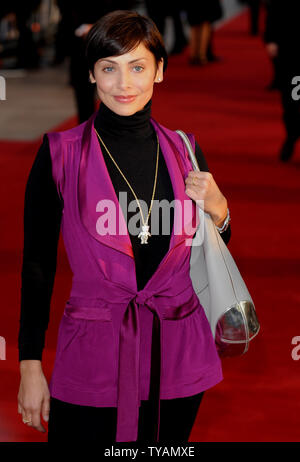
[160,71]
[92,79]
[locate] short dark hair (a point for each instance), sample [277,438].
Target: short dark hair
[121,31]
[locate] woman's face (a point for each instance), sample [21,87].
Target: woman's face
[125,83]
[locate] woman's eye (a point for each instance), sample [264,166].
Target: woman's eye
[107,69]
[138,68]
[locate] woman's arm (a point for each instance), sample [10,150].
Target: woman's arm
[42,219]
[204,167]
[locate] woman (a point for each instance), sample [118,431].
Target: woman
[135,351]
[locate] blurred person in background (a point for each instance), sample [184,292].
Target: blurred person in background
[274,85]
[200,17]
[27,51]
[27,54]
[158,11]
[64,33]
[5,9]
[282,37]
[255,7]
[254,10]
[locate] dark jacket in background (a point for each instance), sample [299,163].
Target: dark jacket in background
[282,28]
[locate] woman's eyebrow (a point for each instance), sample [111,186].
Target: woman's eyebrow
[138,59]
[115,62]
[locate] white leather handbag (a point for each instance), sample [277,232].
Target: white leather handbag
[219,285]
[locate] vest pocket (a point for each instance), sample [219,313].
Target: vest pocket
[86,348]
[189,352]
[92,310]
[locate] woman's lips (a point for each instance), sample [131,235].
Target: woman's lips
[125,99]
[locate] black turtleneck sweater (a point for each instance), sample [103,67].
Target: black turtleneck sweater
[132,142]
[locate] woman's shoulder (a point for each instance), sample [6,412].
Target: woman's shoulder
[70,134]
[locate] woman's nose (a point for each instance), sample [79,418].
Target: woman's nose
[124,80]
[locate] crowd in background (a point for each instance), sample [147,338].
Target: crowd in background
[281,35]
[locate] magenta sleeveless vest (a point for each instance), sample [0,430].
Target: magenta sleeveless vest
[103,351]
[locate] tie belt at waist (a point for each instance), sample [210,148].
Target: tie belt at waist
[128,398]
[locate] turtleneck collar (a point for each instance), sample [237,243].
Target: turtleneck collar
[137,125]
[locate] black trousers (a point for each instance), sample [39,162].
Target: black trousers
[74,423]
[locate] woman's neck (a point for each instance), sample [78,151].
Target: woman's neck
[137,125]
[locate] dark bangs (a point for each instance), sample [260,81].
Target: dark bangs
[120,32]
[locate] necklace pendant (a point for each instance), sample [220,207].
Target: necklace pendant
[144,234]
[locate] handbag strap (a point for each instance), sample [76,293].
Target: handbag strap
[189,149]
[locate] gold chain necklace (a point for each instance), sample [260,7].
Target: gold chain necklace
[144,234]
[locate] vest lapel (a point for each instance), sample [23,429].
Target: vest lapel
[186,220]
[94,185]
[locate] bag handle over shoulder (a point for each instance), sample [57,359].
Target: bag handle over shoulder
[190,149]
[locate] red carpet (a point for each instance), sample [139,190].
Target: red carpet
[238,125]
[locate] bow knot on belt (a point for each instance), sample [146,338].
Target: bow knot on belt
[147,299]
